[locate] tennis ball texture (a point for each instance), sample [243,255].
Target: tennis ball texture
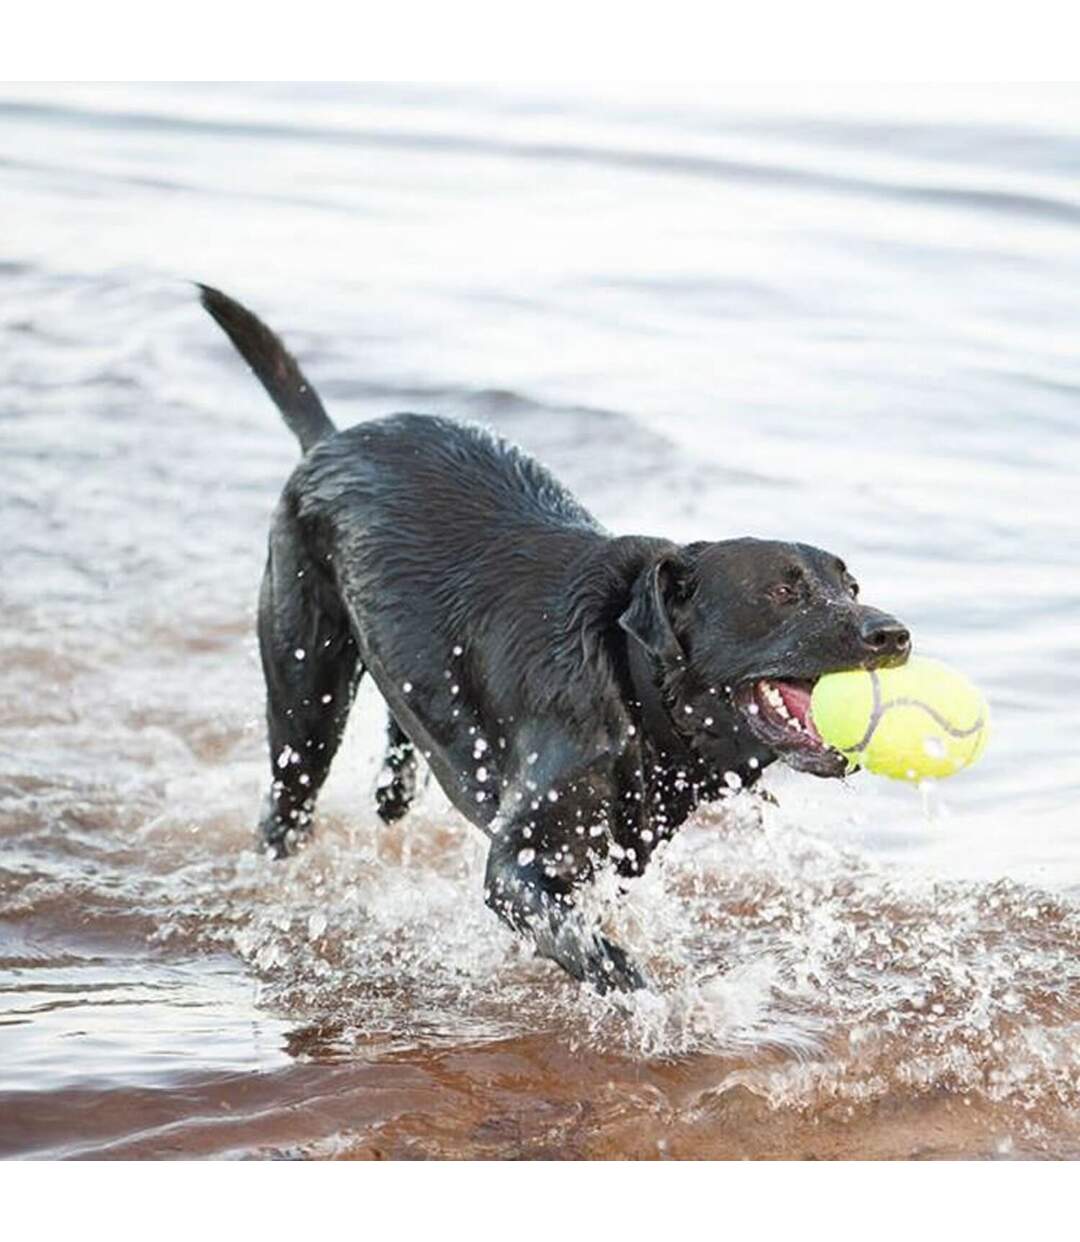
[921,720]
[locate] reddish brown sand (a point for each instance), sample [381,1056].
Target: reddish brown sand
[520,1099]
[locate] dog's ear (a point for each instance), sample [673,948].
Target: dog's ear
[648,618]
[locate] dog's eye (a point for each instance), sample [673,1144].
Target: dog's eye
[782,593]
[853,588]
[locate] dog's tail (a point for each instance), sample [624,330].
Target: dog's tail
[274,367]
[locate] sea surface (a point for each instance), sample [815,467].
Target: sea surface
[845,316]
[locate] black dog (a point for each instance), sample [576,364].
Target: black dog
[576,694]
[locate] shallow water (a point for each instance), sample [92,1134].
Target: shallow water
[847,317]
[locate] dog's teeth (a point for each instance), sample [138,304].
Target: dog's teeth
[773,697]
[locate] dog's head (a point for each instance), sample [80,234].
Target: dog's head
[742,629]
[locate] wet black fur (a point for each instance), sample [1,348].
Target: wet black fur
[571,690]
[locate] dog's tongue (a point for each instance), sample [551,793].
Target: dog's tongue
[797,701]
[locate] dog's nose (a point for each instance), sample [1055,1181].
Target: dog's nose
[883,635]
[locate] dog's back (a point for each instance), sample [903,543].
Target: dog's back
[457,480]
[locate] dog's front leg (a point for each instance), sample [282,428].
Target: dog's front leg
[532,871]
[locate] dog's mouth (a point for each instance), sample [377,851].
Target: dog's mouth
[778,714]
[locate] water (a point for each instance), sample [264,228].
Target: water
[848,317]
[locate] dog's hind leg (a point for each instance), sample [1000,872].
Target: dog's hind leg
[312,669]
[397,780]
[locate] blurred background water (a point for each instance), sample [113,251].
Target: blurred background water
[846,316]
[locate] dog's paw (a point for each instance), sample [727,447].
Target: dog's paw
[394,794]
[611,969]
[587,955]
[278,839]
